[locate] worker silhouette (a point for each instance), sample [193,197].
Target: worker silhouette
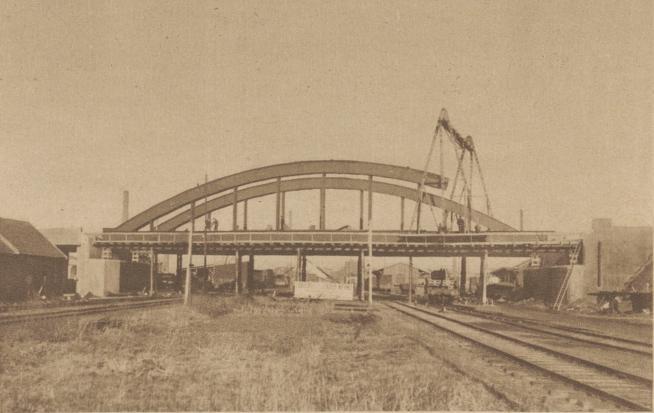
[460,222]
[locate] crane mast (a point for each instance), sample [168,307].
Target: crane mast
[462,147]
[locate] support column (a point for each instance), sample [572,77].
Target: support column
[482,275]
[282,218]
[463,280]
[410,279]
[153,270]
[369,199]
[187,282]
[178,272]
[245,215]
[303,275]
[249,281]
[419,210]
[237,271]
[235,210]
[322,202]
[402,214]
[278,202]
[298,265]
[361,210]
[204,262]
[359,287]
[369,263]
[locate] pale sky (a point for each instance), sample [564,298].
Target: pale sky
[101,96]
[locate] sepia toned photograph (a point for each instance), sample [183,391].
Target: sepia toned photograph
[375,205]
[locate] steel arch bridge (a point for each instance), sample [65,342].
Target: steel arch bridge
[158,227]
[288,177]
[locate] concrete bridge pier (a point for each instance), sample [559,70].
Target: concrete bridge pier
[463,277]
[237,271]
[178,272]
[303,271]
[249,282]
[482,275]
[153,270]
[359,287]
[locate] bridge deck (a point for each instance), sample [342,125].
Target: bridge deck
[346,243]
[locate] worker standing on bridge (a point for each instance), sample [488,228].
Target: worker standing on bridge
[461,224]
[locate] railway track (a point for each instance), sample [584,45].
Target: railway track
[627,389]
[577,334]
[85,310]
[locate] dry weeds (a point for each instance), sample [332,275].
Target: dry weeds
[240,354]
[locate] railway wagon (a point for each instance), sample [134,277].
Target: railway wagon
[440,292]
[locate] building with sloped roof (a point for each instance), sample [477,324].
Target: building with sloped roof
[30,265]
[392,277]
[66,239]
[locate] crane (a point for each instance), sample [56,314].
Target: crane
[465,150]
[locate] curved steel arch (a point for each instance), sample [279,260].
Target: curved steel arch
[276,171]
[302,184]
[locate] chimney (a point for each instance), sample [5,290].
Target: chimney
[125,206]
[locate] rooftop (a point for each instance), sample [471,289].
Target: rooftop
[21,238]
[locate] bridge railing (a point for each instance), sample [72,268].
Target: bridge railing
[336,237]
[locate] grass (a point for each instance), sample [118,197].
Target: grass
[241,354]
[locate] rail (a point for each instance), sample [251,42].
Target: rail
[30,316]
[627,389]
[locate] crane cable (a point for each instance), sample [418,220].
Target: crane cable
[483,184]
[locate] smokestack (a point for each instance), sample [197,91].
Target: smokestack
[125,205]
[522,218]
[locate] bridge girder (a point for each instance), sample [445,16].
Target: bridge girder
[301,184]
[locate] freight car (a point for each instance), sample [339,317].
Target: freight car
[440,292]
[438,289]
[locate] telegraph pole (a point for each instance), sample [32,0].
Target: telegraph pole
[370,261]
[207,222]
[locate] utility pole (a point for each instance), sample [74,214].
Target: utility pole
[370,261]
[360,283]
[483,276]
[153,269]
[207,222]
[187,287]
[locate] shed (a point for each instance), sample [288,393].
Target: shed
[29,263]
[391,278]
